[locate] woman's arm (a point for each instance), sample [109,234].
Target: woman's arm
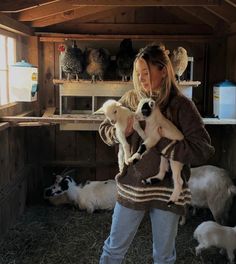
[107,132]
[195,149]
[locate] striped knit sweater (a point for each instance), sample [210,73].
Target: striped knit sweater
[193,150]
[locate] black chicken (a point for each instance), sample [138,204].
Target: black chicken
[72,60]
[125,59]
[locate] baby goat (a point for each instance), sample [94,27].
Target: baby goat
[91,195]
[148,110]
[212,234]
[119,116]
[218,198]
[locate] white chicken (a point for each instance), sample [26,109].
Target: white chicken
[179,60]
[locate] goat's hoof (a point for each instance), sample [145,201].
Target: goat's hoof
[145,182]
[127,162]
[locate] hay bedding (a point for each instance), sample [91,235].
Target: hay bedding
[50,235]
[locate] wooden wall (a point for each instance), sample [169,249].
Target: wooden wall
[85,150]
[15,169]
[13,176]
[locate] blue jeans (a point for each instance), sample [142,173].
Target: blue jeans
[125,223]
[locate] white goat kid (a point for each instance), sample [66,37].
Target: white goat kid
[218,197]
[119,116]
[212,234]
[90,195]
[148,110]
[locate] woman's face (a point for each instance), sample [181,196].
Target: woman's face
[150,76]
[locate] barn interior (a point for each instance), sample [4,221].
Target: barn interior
[53,129]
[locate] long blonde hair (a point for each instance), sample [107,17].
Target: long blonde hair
[156,55]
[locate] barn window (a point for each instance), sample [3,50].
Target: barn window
[7,57]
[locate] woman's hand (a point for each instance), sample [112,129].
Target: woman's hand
[129,129]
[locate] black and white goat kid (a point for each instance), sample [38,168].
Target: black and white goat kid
[88,195]
[148,110]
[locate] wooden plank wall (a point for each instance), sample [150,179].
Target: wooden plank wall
[68,149]
[15,170]
[13,176]
[85,150]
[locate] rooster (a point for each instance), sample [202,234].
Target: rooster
[72,60]
[179,60]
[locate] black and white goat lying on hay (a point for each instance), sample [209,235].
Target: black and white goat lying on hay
[210,234]
[90,195]
[148,110]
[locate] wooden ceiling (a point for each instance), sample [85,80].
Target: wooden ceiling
[123,17]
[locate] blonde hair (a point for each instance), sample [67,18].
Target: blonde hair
[156,55]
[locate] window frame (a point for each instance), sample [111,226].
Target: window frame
[8,34]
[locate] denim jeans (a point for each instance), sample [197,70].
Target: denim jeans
[125,223]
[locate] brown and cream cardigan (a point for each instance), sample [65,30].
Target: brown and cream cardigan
[193,150]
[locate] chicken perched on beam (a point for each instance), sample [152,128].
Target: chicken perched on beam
[179,60]
[97,62]
[125,59]
[72,60]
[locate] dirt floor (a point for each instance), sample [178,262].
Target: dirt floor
[65,235]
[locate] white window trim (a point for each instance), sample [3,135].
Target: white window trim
[14,36]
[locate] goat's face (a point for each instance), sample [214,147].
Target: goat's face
[145,108]
[111,109]
[61,185]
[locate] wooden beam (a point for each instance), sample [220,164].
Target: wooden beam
[55,119]
[224,11]
[60,37]
[183,15]
[49,112]
[146,2]
[4,126]
[17,6]
[69,15]
[14,26]
[26,113]
[111,12]
[155,29]
[231,2]
[31,124]
[204,15]
[45,10]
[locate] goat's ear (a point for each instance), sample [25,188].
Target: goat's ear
[99,111]
[232,189]
[152,104]
[58,178]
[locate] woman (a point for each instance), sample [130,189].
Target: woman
[153,76]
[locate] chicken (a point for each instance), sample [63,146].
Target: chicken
[97,62]
[125,59]
[179,60]
[72,60]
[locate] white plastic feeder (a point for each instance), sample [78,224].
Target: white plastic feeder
[23,82]
[224,104]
